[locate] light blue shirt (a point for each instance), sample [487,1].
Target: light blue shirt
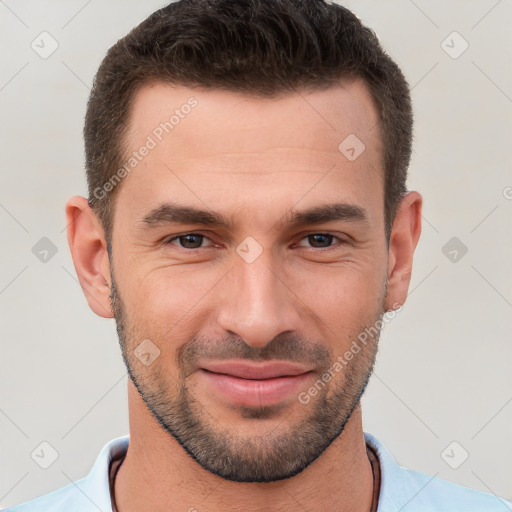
[401,489]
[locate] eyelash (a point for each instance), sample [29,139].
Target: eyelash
[188,250]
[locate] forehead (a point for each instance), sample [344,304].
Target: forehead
[343,109]
[219,147]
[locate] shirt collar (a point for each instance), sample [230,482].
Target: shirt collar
[392,495]
[97,483]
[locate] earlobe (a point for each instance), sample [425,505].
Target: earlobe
[88,247]
[403,241]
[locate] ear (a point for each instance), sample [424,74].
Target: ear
[403,241]
[88,247]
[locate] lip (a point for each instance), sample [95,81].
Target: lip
[246,370]
[255,385]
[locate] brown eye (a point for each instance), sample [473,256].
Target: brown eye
[188,241]
[319,240]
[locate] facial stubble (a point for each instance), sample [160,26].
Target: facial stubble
[277,452]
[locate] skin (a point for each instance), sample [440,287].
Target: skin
[254,160]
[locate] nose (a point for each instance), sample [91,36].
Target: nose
[257,303]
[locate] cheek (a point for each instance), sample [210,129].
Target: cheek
[342,297]
[173,301]
[162,303]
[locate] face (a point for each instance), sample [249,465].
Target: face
[248,256]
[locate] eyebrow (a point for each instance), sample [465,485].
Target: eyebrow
[168,213]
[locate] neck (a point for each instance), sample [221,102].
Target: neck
[158,475]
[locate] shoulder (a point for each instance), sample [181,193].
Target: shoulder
[89,494]
[429,493]
[65,498]
[408,490]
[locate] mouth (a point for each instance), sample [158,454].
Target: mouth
[255,385]
[256,371]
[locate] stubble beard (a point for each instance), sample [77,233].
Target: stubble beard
[275,453]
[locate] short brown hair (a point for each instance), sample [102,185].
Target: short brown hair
[258,47]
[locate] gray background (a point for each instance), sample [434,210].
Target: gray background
[443,369]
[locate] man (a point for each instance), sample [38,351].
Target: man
[248,226]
